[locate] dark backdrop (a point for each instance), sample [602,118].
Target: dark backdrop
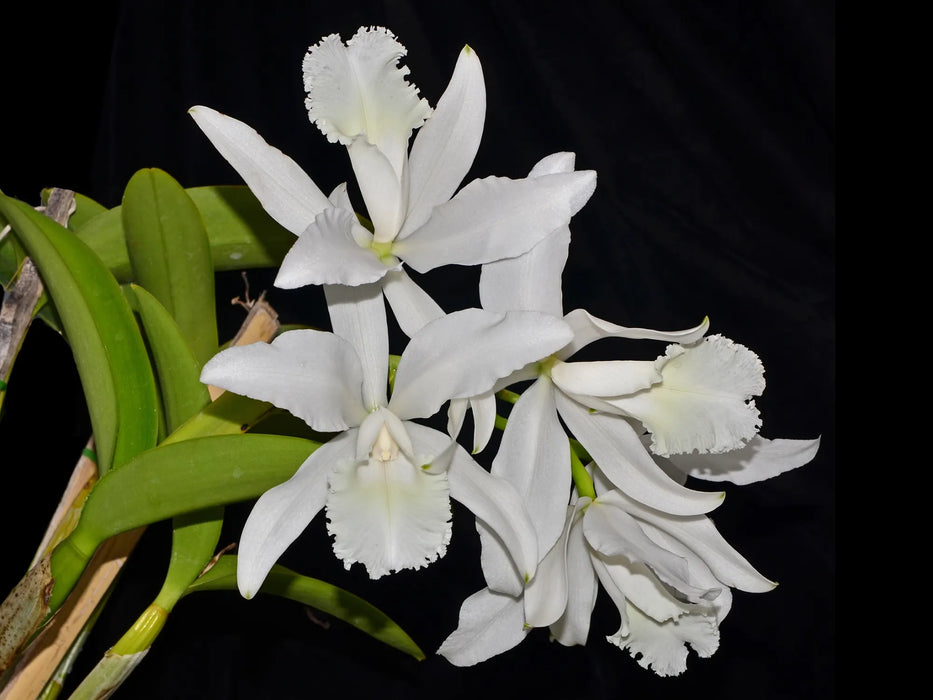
[712,129]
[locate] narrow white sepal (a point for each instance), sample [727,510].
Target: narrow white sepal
[281,186]
[445,146]
[490,499]
[534,456]
[612,532]
[587,328]
[760,459]
[358,315]
[284,511]
[700,535]
[573,627]
[490,624]
[546,594]
[616,448]
[412,306]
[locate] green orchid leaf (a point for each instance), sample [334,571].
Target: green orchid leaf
[172,479]
[12,254]
[183,394]
[100,327]
[241,234]
[319,595]
[228,414]
[194,535]
[194,540]
[170,255]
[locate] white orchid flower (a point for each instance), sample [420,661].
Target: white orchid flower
[534,453]
[385,481]
[358,96]
[669,576]
[694,398]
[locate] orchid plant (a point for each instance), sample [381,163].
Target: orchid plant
[592,484]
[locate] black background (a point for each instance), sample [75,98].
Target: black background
[712,129]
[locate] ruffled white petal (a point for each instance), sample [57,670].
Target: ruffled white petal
[490,623]
[359,90]
[283,512]
[313,375]
[663,647]
[658,646]
[699,534]
[412,306]
[389,514]
[612,532]
[358,315]
[703,402]
[445,146]
[617,449]
[760,459]
[605,378]
[464,353]
[328,252]
[281,186]
[588,328]
[496,218]
[573,627]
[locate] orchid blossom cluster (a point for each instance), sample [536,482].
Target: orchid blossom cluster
[587,488]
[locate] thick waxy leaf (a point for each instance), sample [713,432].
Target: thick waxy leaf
[194,535]
[108,348]
[183,394]
[319,595]
[228,414]
[241,234]
[174,478]
[170,255]
[194,541]
[11,254]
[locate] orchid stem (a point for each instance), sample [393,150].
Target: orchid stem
[581,479]
[508,396]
